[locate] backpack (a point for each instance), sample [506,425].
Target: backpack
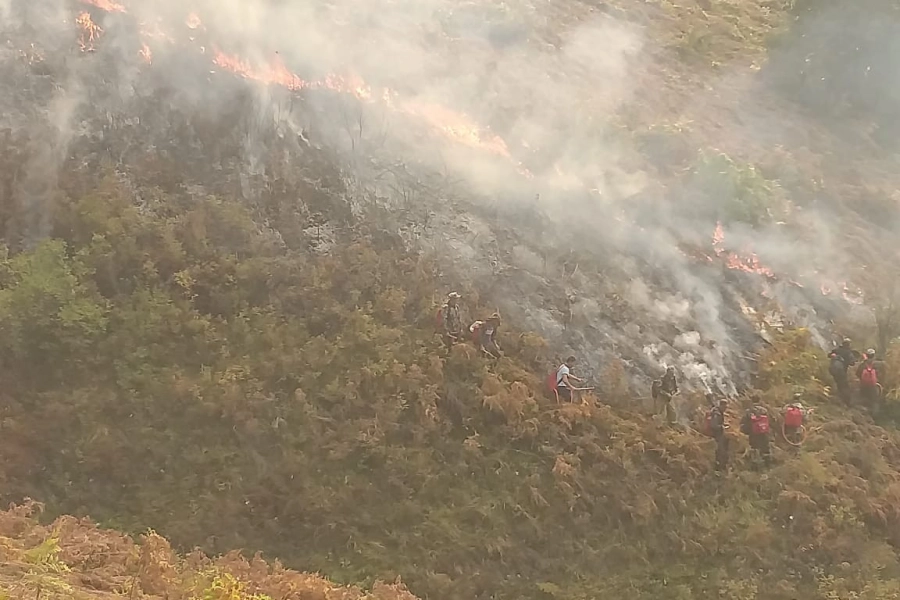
[793,417]
[759,424]
[746,424]
[837,367]
[475,331]
[654,389]
[869,377]
[551,382]
[439,319]
[707,423]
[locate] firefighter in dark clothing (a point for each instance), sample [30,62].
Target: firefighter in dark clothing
[666,388]
[487,336]
[755,425]
[842,358]
[717,428]
[451,319]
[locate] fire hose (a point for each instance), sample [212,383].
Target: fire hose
[801,430]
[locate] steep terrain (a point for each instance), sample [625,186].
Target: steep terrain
[220,278]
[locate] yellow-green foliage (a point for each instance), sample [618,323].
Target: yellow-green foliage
[219,585]
[737,190]
[793,364]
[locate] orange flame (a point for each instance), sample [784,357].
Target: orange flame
[457,126]
[275,73]
[718,236]
[107,5]
[454,125]
[146,54]
[90,32]
[749,263]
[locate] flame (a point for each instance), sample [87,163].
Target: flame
[454,125]
[457,126]
[749,263]
[146,54]
[718,236]
[351,84]
[107,5]
[272,74]
[90,32]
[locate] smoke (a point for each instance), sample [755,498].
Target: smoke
[515,126]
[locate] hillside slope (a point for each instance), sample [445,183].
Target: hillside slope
[177,367]
[219,281]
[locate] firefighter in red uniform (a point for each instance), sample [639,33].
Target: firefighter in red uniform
[755,425]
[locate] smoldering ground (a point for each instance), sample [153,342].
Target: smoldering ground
[506,121]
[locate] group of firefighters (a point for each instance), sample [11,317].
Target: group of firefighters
[755,421]
[482,332]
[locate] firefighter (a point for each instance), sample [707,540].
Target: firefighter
[717,429]
[662,391]
[842,358]
[868,374]
[794,416]
[755,425]
[565,379]
[485,333]
[451,321]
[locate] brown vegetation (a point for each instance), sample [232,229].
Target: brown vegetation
[71,559]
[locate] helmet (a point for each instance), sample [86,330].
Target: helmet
[846,341]
[870,353]
[453,295]
[495,317]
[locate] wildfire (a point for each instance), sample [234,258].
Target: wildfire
[749,263]
[457,126]
[275,73]
[106,5]
[352,85]
[718,236]
[90,32]
[454,125]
